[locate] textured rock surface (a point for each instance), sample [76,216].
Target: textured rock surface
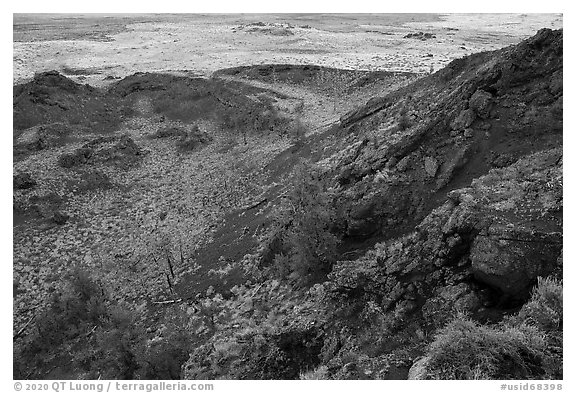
[481,103]
[463,120]
[474,115]
[511,259]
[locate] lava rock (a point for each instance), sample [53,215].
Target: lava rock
[78,157]
[463,120]
[511,259]
[60,218]
[404,164]
[23,181]
[481,102]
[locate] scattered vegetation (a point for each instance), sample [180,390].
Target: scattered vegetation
[251,121]
[404,121]
[298,131]
[525,346]
[84,332]
[319,373]
[300,241]
[192,139]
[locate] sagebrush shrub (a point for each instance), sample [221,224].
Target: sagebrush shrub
[301,229]
[544,309]
[466,350]
[527,345]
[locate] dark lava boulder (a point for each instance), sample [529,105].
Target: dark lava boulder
[463,120]
[120,151]
[420,35]
[23,181]
[193,139]
[511,259]
[60,218]
[481,103]
[78,157]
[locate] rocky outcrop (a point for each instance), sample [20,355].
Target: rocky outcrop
[481,103]
[463,120]
[120,151]
[468,118]
[420,35]
[51,97]
[483,248]
[511,259]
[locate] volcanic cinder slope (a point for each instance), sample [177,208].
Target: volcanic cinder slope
[445,194]
[458,179]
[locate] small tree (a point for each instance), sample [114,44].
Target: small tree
[404,121]
[302,227]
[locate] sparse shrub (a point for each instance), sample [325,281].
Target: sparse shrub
[303,245]
[247,120]
[270,120]
[84,333]
[60,218]
[70,315]
[527,345]
[164,355]
[298,131]
[77,158]
[192,139]
[544,309]
[466,350]
[404,121]
[184,102]
[113,349]
[320,373]
[124,154]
